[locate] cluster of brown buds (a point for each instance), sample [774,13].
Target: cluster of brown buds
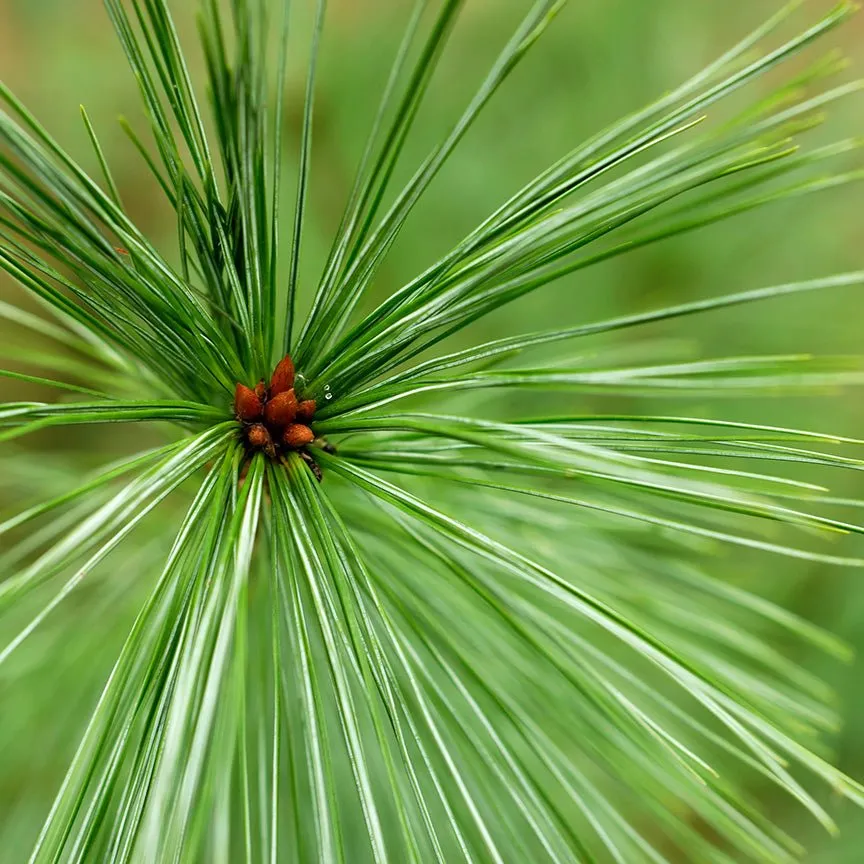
[273,418]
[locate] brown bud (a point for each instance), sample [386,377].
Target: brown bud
[297,435]
[247,405]
[261,390]
[306,410]
[283,376]
[281,409]
[259,438]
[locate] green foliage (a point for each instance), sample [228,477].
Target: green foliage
[485,636]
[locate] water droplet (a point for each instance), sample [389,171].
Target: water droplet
[326,386]
[328,396]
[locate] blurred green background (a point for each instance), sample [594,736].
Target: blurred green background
[597,62]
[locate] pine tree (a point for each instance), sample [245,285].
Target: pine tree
[372,616]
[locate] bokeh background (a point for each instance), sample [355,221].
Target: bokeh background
[600,60]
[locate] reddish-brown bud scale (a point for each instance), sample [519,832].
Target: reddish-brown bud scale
[306,410]
[281,409]
[259,437]
[261,390]
[247,405]
[283,377]
[297,435]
